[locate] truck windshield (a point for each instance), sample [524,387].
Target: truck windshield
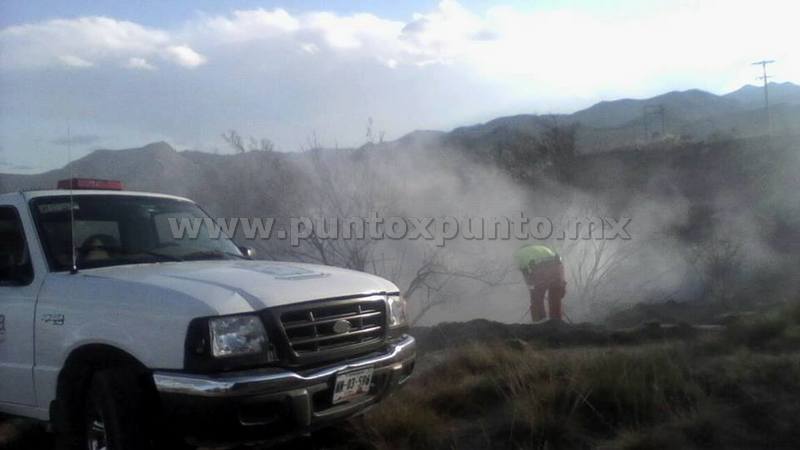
[114,230]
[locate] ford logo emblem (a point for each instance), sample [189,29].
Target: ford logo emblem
[341,326]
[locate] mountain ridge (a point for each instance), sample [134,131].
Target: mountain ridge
[686,114]
[604,126]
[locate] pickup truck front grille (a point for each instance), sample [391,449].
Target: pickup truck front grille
[327,327]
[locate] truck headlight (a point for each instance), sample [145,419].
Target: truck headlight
[397,310]
[236,336]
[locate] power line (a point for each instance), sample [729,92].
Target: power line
[766,78]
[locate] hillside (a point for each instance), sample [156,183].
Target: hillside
[155,166]
[692,115]
[689,106]
[753,96]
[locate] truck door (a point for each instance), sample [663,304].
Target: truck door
[18,293]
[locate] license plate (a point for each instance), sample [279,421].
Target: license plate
[352,384]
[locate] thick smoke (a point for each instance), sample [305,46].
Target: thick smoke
[682,246]
[706,224]
[676,242]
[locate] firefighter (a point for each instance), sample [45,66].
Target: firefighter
[544,274]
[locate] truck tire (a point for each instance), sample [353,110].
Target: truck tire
[115,414]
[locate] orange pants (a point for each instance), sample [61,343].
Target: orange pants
[547,278]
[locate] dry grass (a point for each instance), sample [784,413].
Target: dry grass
[539,398]
[736,390]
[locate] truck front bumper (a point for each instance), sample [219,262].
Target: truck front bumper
[270,403]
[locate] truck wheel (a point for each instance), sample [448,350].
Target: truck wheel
[115,414]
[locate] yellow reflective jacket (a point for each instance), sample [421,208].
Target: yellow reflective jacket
[531,255]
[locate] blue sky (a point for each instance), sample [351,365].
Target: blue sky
[171,12]
[125,73]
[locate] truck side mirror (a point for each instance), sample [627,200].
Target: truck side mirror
[248,252]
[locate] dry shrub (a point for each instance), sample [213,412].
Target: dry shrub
[591,394]
[554,398]
[708,392]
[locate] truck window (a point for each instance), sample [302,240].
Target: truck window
[163,228]
[86,228]
[121,229]
[15,262]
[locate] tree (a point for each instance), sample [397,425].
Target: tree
[435,275]
[519,154]
[595,265]
[558,143]
[720,263]
[341,184]
[258,182]
[524,154]
[593,268]
[345,184]
[237,142]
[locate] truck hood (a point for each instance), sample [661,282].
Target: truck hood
[230,287]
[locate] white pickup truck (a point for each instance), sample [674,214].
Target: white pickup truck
[123,336]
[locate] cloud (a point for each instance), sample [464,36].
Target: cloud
[88,42]
[357,31]
[184,56]
[446,33]
[245,26]
[74,61]
[285,75]
[139,63]
[549,49]
[309,32]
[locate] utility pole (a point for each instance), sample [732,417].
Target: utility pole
[766,78]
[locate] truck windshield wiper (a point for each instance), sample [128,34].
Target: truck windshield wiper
[161,256]
[215,254]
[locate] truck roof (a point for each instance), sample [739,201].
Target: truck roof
[28,195]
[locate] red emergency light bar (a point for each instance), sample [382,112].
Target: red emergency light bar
[89,183]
